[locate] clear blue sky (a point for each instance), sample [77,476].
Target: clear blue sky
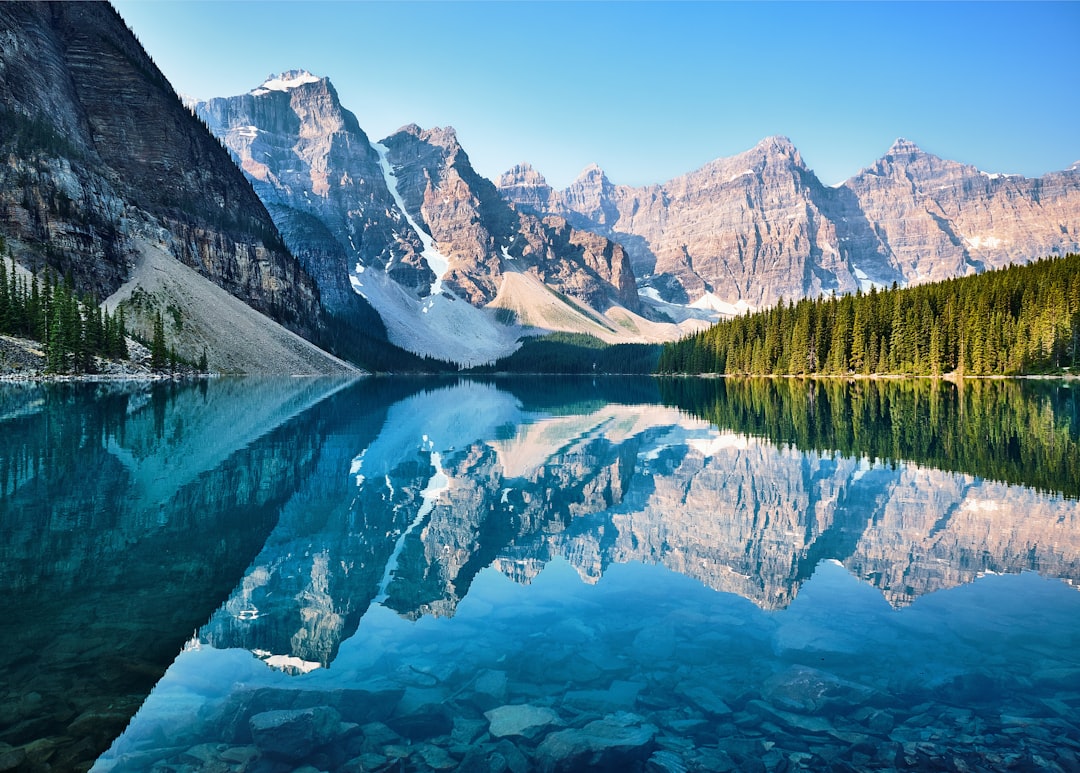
[652,90]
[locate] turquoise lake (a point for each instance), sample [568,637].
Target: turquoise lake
[513,575]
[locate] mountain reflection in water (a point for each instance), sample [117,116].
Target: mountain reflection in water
[525,573]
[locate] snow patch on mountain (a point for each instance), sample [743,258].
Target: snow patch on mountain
[285,82]
[437,262]
[441,326]
[714,303]
[997,175]
[984,240]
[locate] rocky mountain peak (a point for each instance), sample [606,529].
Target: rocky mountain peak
[759,225]
[523,174]
[904,151]
[441,136]
[592,174]
[777,144]
[526,187]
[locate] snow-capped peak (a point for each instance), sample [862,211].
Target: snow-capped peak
[286,81]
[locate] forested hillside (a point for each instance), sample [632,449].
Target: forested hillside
[1016,320]
[73,330]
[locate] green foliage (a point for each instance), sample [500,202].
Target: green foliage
[73,330]
[1022,432]
[1016,320]
[159,353]
[576,353]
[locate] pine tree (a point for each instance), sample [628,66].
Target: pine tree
[158,352]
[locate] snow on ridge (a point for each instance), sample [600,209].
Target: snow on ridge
[436,261]
[285,81]
[990,242]
[865,282]
[713,303]
[998,175]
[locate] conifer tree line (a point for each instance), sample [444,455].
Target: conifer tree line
[1018,432]
[73,330]
[1012,321]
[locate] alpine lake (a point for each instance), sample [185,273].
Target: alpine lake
[541,574]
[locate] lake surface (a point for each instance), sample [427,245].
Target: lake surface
[267,574]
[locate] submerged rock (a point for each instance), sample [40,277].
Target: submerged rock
[808,690]
[617,740]
[294,733]
[526,720]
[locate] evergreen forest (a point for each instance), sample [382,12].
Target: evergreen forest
[1011,321]
[1016,432]
[73,330]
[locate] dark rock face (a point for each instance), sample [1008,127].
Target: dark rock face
[99,152]
[760,225]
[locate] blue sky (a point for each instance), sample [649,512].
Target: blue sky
[653,90]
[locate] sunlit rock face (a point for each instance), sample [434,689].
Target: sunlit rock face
[941,219]
[318,174]
[462,478]
[482,237]
[759,226]
[405,224]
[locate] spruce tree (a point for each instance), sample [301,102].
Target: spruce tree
[159,354]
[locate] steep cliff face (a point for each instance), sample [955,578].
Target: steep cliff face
[315,168]
[100,159]
[466,218]
[940,219]
[408,225]
[747,230]
[482,236]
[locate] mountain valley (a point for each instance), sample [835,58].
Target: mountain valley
[398,255]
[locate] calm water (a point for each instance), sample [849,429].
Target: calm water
[263,575]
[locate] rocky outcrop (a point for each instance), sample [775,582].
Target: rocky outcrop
[482,237]
[747,230]
[99,153]
[466,218]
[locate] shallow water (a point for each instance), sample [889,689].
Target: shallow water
[537,575]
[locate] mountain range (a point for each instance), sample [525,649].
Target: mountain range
[742,232]
[106,178]
[407,224]
[327,241]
